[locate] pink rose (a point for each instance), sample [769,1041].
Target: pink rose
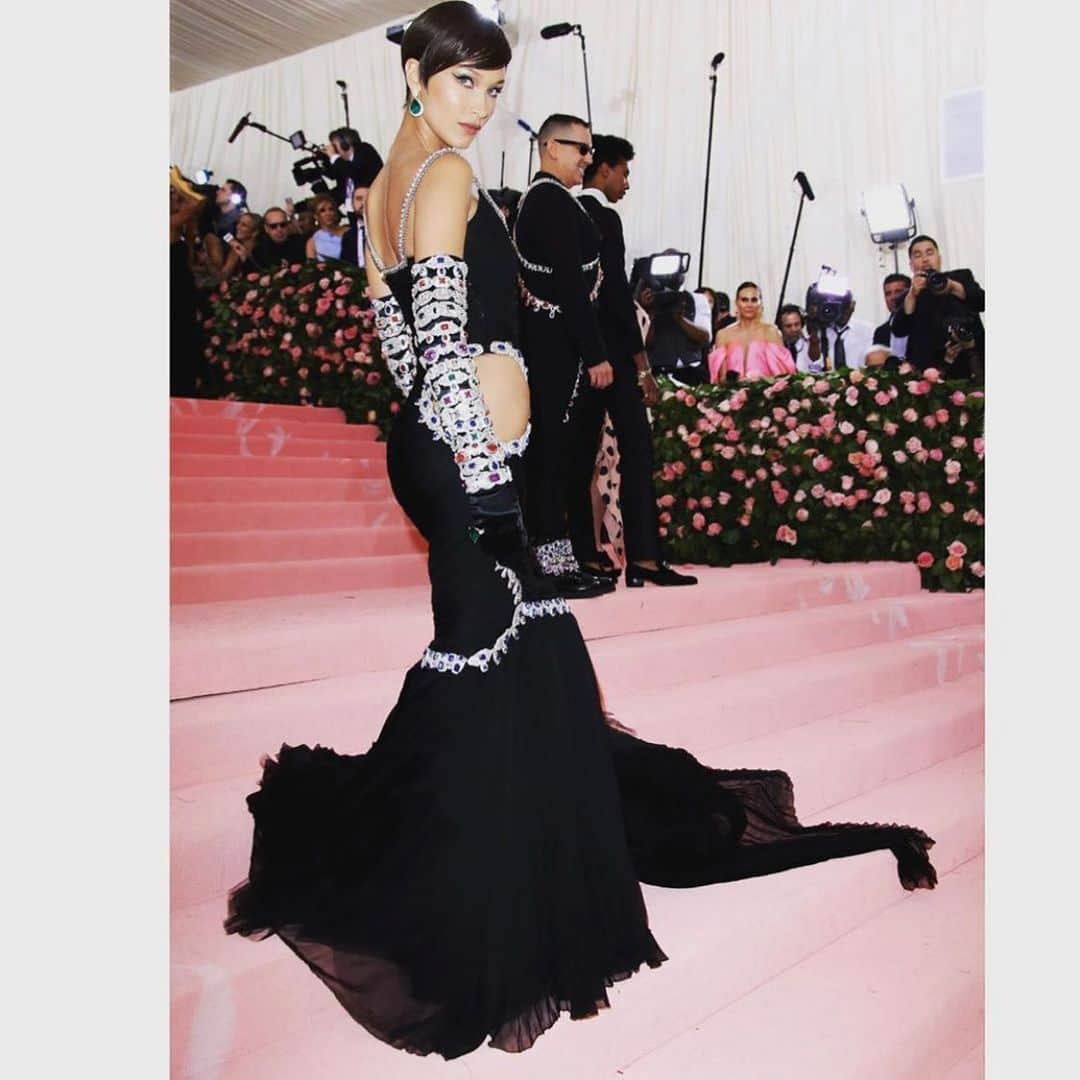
[324,369]
[958,397]
[715,528]
[781,495]
[882,398]
[880,512]
[802,514]
[707,501]
[698,521]
[930,421]
[665,518]
[727,452]
[978,569]
[846,427]
[818,491]
[946,507]
[913,445]
[724,497]
[372,378]
[666,500]
[882,496]
[954,562]
[924,560]
[268,370]
[957,548]
[706,466]
[847,483]
[693,439]
[738,474]
[827,422]
[899,457]
[932,375]
[952,469]
[821,463]
[850,502]
[937,454]
[910,415]
[978,445]
[800,496]
[855,376]
[942,416]
[851,395]
[296,352]
[787,535]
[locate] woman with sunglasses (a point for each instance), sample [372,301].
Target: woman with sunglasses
[476,872]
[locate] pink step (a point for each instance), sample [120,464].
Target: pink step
[331,643]
[214,738]
[254,410]
[249,425]
[723,941]
[278,545]
[278,446]
[230,489]
[222,517]
[893,999]
[972,1066]
[241,581]
[831,761]
[284,467]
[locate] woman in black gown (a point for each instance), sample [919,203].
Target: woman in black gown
[477,871]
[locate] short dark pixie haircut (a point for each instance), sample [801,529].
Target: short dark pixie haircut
[453,33]
[921,238]
[557,122]
[608,150]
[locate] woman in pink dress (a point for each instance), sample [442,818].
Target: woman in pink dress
[750,348]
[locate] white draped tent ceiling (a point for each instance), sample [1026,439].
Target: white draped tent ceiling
[851,92]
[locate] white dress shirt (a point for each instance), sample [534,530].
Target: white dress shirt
[858,336]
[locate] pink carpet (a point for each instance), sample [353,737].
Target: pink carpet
[299,600]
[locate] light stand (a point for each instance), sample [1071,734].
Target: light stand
[717,60]
[806,193]
[533,137]
[890,217]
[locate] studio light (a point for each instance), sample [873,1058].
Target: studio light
[203,176]
[890,214]
[395,33]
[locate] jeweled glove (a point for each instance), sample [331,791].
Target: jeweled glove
[396,337]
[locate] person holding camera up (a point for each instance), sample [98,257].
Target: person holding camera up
[560,275]
[837,341]
[350,162]
[675,343]
[750,347]
[607,180]
[940,315]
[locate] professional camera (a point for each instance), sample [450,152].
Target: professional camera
[663,274]
[827,298]
[936,281]
[307,171]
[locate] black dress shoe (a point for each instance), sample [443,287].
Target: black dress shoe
[636,576]
[601,568]
[580,585]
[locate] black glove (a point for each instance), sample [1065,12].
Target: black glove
[496,524]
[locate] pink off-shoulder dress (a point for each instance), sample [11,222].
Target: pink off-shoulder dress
[766,359]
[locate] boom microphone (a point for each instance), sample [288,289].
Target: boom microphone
[525,127]
[717,60]
[807,190]
[557,30]
[341,83]
[244,121]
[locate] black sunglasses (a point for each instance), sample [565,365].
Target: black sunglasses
[276,224]
[584,149]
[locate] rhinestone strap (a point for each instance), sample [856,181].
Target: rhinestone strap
[397,342]
[455,663]
[536,267]
[556,557]
[451,402]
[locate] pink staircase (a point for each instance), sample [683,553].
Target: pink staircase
[275,500]
[868,691]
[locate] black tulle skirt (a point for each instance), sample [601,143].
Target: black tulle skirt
[477,872]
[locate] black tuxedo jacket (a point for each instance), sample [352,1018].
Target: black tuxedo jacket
[553,231]
[926,328]
[618,320]
[362,170]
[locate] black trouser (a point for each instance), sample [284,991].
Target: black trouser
[553,373]
[623,402]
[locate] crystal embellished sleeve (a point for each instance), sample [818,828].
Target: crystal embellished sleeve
[398,348]
[451,403]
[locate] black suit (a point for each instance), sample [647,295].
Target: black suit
[268,254]
[361,170]
[553,231]
[622,401]
[350,246]
[926,329]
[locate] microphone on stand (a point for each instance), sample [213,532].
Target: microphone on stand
[244,121]
[525,127]
[807,190]
[717,60]
[558,30]
[341,83]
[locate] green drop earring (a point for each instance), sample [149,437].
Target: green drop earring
[416,107]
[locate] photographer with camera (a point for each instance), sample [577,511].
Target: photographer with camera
[940,315]
[751,347]
[606,181]
[350,162]
[837,341]
[675,344]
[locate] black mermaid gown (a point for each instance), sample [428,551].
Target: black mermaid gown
[477,871]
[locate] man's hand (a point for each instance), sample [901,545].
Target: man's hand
[601,375]
[952,350]
[813,349]
[650,391]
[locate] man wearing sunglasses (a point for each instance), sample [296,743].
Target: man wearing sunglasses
[277,244]
[560,275]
